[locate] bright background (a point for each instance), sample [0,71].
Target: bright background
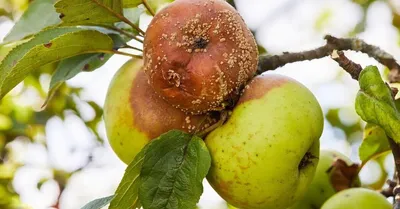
[91,170]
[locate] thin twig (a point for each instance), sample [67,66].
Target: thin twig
[396,155]
[388,192]
[125,33]
[121,17]
[352,68]
[223,118]
[133,25]
[127,54]
[269,62]
[118,52]
[132,47]
[148,7]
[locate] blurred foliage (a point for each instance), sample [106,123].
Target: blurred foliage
[19,117]
[323,19]
[22,114]
[364,3]
[333,117]
[13,8]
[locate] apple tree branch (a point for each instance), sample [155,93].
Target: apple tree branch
[271,62]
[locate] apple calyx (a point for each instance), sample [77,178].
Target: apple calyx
[307,160]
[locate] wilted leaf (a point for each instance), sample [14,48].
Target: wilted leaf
[173,170]
[47,47]
[375,104]
[343,176]
[40,14]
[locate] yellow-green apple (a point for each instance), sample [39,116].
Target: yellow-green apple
[134,114]
[357,198]
[266,154]
[198,54]
[321,187]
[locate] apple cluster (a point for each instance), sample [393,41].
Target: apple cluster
[199,56]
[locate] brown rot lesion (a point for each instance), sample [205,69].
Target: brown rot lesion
[200,43]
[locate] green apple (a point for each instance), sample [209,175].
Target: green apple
[321,187]
[357,198]
[134,114]
[266,154]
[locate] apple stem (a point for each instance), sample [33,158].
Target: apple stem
[222,119]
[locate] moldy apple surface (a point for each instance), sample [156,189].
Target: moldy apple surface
[134,114]
[198,54]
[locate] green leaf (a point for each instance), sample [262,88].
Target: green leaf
[375,104]
[98,203]
[375,142]
[70,67]
[131,3]
[119,42]
[6,48]
[173,170]
[126,196]
[40,14]
[47,47]
[89,12]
